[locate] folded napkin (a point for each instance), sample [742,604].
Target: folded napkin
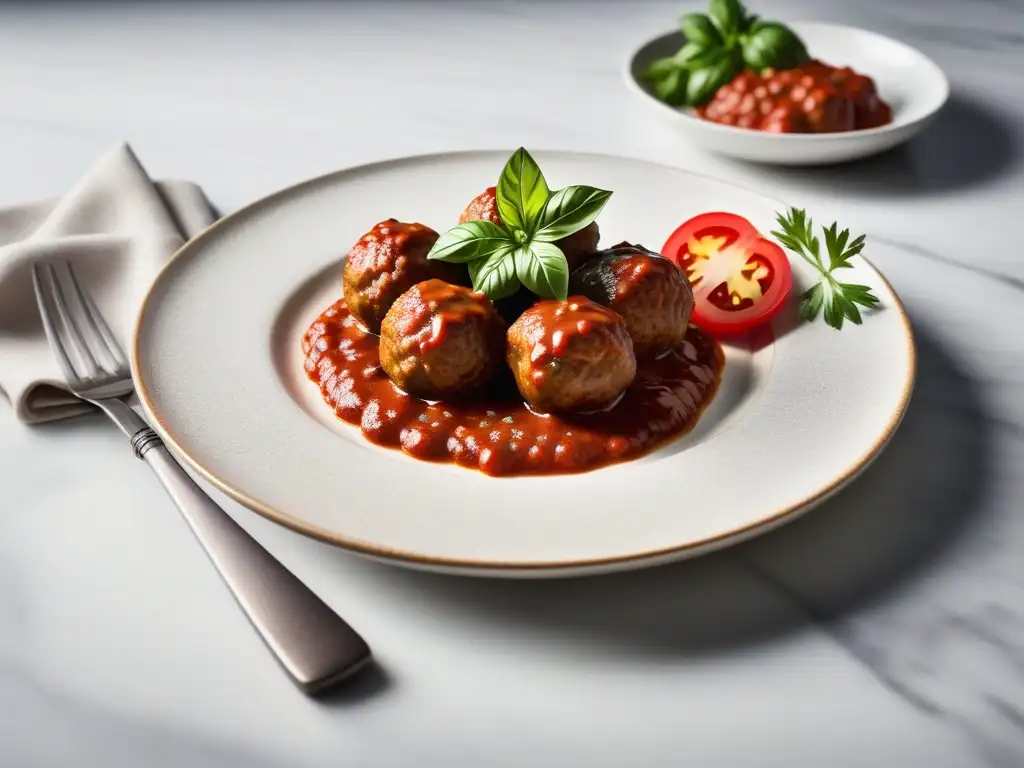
[118,227]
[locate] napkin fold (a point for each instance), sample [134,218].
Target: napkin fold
[118,227]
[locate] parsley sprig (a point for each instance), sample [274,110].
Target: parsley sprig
[836,300]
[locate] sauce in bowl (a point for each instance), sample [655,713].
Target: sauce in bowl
[813,98]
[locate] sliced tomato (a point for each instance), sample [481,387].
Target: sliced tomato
[739,279]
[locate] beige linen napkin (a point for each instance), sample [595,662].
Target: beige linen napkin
[118,227]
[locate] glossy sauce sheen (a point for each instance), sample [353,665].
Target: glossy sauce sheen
[499,434]
[814,98]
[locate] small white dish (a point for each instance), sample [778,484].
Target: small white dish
[913,85]
[217,360]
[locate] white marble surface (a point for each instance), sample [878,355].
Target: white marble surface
[885,629]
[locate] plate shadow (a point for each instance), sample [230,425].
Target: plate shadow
[969,143]
[366,684]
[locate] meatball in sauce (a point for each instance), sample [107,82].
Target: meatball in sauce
[386,262]
[571,355]
[495,432]
[560,390]
[441,341]
[651,294]
[813,98]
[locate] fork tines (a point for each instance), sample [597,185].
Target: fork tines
[85,347]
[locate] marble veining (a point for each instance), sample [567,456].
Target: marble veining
[1008,280]
[884,629]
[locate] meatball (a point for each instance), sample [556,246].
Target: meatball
[577,247]
[651,294]
[483,207]
[812,98]
[387,261]
[571,355]
[440,340]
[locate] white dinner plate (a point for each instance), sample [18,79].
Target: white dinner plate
[913,85]
[801,410]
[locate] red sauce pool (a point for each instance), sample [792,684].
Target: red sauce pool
[498,434]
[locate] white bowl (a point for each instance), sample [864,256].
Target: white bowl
[908,80]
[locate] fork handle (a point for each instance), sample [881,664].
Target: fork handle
[314,645]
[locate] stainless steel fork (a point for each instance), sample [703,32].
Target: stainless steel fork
[314,645]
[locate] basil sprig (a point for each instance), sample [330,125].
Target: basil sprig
[521,250]
[719,44]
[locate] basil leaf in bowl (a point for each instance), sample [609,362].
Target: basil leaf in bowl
[703,82]
[697,28]
[723,41]
[729,16]
[668,80]
[689,53]
[774,45]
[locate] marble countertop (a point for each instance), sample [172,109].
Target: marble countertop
[884,629]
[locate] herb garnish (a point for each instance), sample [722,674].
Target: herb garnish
[521,250]
[837,301]
[719,45]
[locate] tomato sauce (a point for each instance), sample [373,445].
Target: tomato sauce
[813,98]
[497,433]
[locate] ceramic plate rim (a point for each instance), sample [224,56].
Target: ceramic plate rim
[818,138]
[493,567]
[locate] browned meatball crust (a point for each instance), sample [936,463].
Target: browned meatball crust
[572,355]
[483,207]
[577,247]
[650,292]
[440,340]
[387,261]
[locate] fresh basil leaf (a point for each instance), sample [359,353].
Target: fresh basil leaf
[660,68]
[667,79]
[542,268]
[697,28]
[728,15]
[704,81]
[469,241]
[570,210]
[707,58]
[495,275]
[774,45]
[671,88]
[751,23]
[690,52]
[521,192]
